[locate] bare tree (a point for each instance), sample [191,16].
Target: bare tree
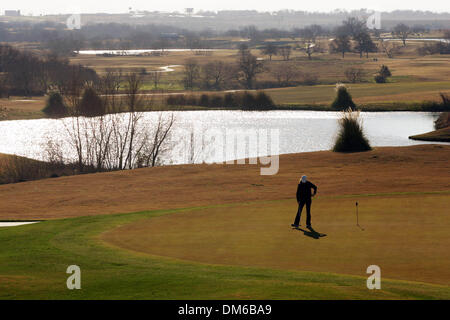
[447,34]
[24,74]
[118,141]
[109,86]
[249,67]
[216,74]
[285,73]
[285,52]
[155,77]
[402,31]
[270,50]
[153,143]
[363,42]
[354,75]
[311,32]
[341,43]
[132,88]
[310,49]
[71,88]
[191,74]
[389,48]
[307,34]
[353,26]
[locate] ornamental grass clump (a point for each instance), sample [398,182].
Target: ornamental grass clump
[343,98]
[351,137]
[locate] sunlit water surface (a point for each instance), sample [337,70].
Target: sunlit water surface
[295,131]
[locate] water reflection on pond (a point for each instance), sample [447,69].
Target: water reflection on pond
[298,131]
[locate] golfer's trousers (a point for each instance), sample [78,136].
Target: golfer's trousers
[308,211]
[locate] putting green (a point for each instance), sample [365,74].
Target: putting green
[407,235]
[34,259]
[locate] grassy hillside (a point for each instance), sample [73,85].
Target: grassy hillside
[184,186]
[230,237]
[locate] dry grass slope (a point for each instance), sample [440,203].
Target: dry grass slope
[388,169]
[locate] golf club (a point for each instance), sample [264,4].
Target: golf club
[357,218]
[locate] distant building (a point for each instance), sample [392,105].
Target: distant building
[12,13]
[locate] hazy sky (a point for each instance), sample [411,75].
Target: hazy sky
[115,6]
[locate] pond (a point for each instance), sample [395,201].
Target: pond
[137,51]
[287,131]
[145,51]
[15,223]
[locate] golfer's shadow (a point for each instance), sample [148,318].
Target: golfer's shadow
[310,232]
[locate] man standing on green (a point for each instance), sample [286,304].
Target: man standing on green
[304,197]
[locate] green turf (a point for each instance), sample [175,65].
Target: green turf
[321,93]
[34,258]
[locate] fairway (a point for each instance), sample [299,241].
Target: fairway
[363,93]
[406,235]
[35,258]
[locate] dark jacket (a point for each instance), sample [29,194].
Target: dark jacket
[304,191]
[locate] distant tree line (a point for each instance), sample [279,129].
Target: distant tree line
[437,47]
[25,73]
[122,36]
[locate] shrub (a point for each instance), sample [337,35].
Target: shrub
[229,100]
[263,101]
[248,101]
[384,71]
[379,78]
[443,121]
[351,137]
[191,101]
[383,74]
[91,104]
[343,98]
[259,101]
[444,105]
[216,102]
[204,100]
[55,106]
[173,99]
[244,100]
[354,75]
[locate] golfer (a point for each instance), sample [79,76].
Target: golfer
[304,197]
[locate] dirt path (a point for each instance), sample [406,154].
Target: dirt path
[390,169]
